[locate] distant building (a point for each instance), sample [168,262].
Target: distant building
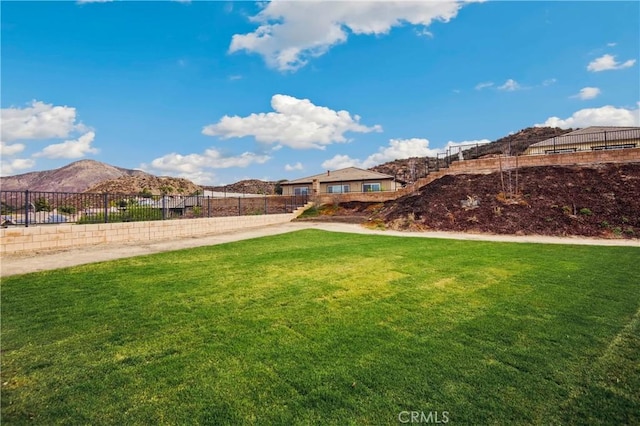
[351,179]
[588,139]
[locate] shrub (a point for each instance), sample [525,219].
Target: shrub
[585,211]
[135,214]
[67,209]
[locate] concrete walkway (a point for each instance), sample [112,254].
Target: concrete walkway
[34,261]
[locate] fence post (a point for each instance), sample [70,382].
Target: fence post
[605,139]
[164,212]
[105,204]
[265,205]
[239,206]
[554,145]
[26,208]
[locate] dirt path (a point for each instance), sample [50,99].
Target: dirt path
[33,261]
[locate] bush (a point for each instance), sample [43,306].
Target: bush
[136,214]
[67,209]
[585,211]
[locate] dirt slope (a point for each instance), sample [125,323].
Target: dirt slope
[602,201]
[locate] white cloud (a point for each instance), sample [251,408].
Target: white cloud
[296,123]
[484,85]
[612,44]
[510,85]
[38,121]
[195,166]
[399,149]
[549,82]
[290,168]
[396,150]
[587,93]
[70,149]
[603,116]
[341,162]
[290,33]
[6,150]
[608,62]
[14,166]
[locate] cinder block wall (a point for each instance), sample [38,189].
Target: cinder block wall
[490,165]
[51,237]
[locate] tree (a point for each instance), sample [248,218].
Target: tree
[146,193]
[278,188]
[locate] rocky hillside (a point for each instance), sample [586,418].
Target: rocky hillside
[250,186]
[411,169]
[75,177]
[146,183]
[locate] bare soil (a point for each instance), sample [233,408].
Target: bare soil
[601,201]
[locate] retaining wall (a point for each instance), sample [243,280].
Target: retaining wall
[50,237]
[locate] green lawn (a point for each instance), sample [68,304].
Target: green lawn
[315,327]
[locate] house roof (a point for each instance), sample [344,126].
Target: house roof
[342,175]
[592,134]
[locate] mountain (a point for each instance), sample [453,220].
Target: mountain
[75,177]
[94,176]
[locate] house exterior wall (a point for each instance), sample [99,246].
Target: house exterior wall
[53,237]
[354,186]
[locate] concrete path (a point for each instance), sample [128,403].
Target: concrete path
[34,261]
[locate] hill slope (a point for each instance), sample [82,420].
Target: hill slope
[411,169]
[75,177]
[155,185]
[598,201]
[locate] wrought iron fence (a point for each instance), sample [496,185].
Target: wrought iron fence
[26,208]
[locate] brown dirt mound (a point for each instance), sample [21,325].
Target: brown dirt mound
[600,201]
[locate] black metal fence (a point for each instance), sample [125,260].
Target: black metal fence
[26,208]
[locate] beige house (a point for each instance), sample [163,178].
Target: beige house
[351,179]
[589,139]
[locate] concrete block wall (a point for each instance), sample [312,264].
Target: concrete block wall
[490,165]
[55,237]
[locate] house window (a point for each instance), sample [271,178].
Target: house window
[371,187]
[337,189]
[302,190]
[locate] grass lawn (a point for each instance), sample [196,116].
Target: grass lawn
[315,327]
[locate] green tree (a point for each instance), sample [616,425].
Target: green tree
[278,188]
[146,193]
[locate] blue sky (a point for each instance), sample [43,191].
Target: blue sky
[222,91]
